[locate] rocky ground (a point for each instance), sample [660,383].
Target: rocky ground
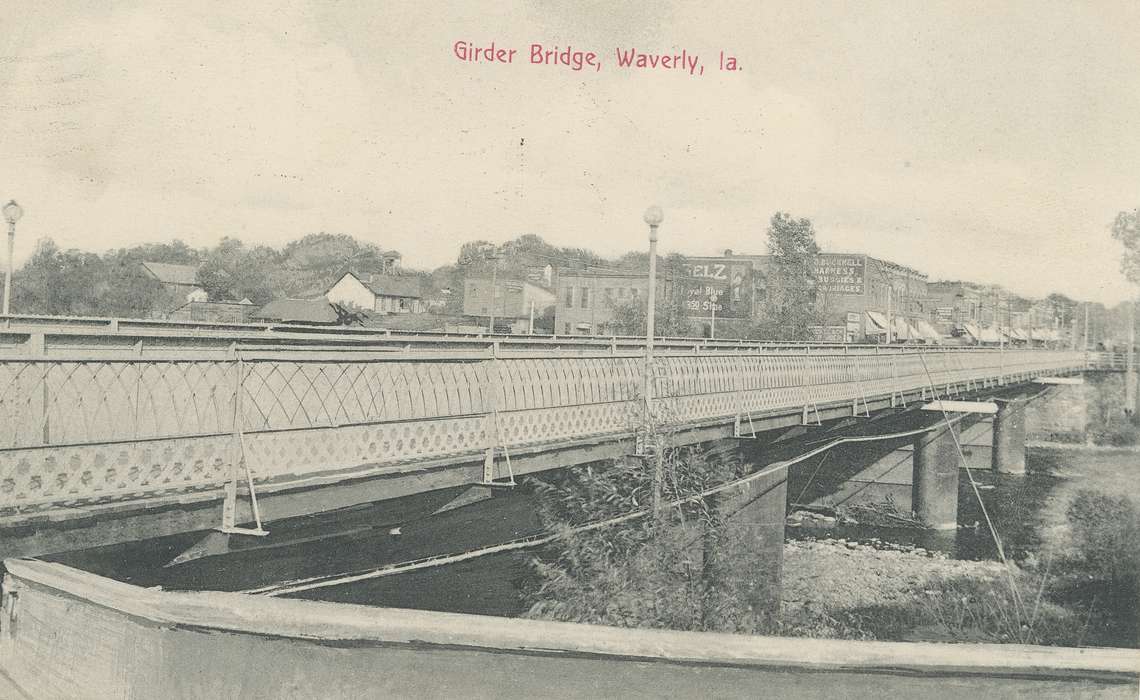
[836,574]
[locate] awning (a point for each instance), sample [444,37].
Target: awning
[971,330]
[928,331]
[903,330]
[1019,334]
[988,335]
[878,323]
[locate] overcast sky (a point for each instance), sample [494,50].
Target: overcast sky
[992,141]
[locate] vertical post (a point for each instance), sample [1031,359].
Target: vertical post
[712,323]
[494,280]
[658,464]
[11,267]
[754,515]
[890,321]
[229,506]
[653,216]
[1130,364]
[934,485]
[1086,344]
[1008,456]
[47,404]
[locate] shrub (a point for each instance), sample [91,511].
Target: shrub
[1105,532]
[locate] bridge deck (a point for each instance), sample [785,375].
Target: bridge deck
[96,424]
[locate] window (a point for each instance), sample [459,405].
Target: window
[633,292]
[566,330]
[609,293]
[585,297]
[621,293]
[569,296]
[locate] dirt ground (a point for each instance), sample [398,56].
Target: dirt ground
[836,574]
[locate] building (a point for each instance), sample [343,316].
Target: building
[310,312]
[954,303]
[180,283]
[214,311]
[384,293]
[509,300]
[390,262]
[586,299]
[856,293]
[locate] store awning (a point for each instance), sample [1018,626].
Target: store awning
[971,330]
[903,330]
[928,331]
[988,335]
[878,323]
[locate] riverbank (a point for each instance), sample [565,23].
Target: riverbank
[878,591]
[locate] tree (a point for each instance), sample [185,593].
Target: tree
[686,570]
[670,317]
[790,307]
[1126,229]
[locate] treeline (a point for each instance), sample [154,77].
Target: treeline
[115,283]
[77,282]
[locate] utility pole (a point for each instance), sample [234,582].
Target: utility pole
[494,289]
[1130,367]
[1086,347]
[890,321]
[713,297]
[531,329]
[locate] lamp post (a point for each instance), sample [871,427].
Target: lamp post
[653,216]
[12,214]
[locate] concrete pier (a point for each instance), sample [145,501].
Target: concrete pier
[755,514]
[1009,438]
[934,486]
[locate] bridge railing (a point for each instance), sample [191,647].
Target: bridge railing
[1108,361]
[76,430]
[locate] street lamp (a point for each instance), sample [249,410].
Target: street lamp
[653,216]
[12,214]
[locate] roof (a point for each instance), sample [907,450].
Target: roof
[168,273]
[394,286]
[299,310]
[388,285]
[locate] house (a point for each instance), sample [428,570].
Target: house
[214,311]
[179,281]
[388,294]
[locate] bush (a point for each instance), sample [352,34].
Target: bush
[685,571]
[1105,532]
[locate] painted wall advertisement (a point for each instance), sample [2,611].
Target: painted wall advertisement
[843,275]
[723,289]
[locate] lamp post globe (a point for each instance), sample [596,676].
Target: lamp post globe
[653,216]
[12,212]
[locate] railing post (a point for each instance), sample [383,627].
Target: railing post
[229,506]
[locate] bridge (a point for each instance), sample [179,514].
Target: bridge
[113,431]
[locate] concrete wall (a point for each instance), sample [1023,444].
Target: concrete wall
[69,634]
[1086,412]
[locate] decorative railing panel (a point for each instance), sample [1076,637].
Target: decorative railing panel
[77,432]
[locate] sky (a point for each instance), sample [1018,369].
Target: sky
[989,141]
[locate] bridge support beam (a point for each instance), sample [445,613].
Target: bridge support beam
[934,486]
[1009,438]
[754,514]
